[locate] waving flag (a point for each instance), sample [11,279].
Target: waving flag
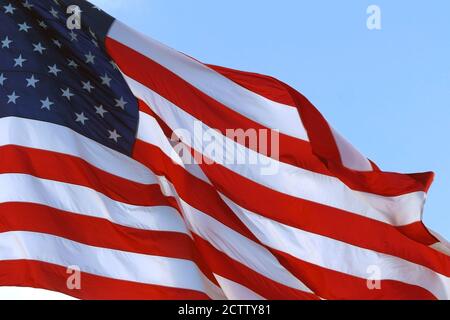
[104,169]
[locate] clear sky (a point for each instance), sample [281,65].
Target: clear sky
[387,91]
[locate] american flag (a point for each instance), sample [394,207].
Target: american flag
[90,178]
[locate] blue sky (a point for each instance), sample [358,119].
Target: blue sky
[387,91]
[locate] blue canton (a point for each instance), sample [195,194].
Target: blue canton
[53,74]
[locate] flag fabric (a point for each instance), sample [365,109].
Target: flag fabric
[104,170]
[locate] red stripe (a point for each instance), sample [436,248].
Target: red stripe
[264,85]
[164,127]
[355,286]
[316,218]
[353,180]
[292,151]
[323,143]
[65,168]
[330,284]
[191,189]
[69,169]
[37,274]
[18,216]
[201,106]
[310,216]
[194,191]
[418,232]
[231,269]
[320,135]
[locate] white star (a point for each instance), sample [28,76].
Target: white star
[57,43]
[46,104]
[9,9]
[73,36]
[54,69]
[24,27]
[67,93]
[54,13]
[72,63]
[31,82]
[6,42]
[121,103]
[101,111]
[19,61]
[12,98]
[106,80]
[81,118]
[39,48]
[90,58]
[42,24]
[2,79]
[113,135]
[27,5]
[87,86]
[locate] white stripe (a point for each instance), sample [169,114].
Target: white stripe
[442,248]
[232,243]
[253,106]
[28,191]
[115,264]
[283,177]
[236,291]
[350,156]
[85,201]
[150,132]
[443,245]
[340,256]
[47,136]
[23,294]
